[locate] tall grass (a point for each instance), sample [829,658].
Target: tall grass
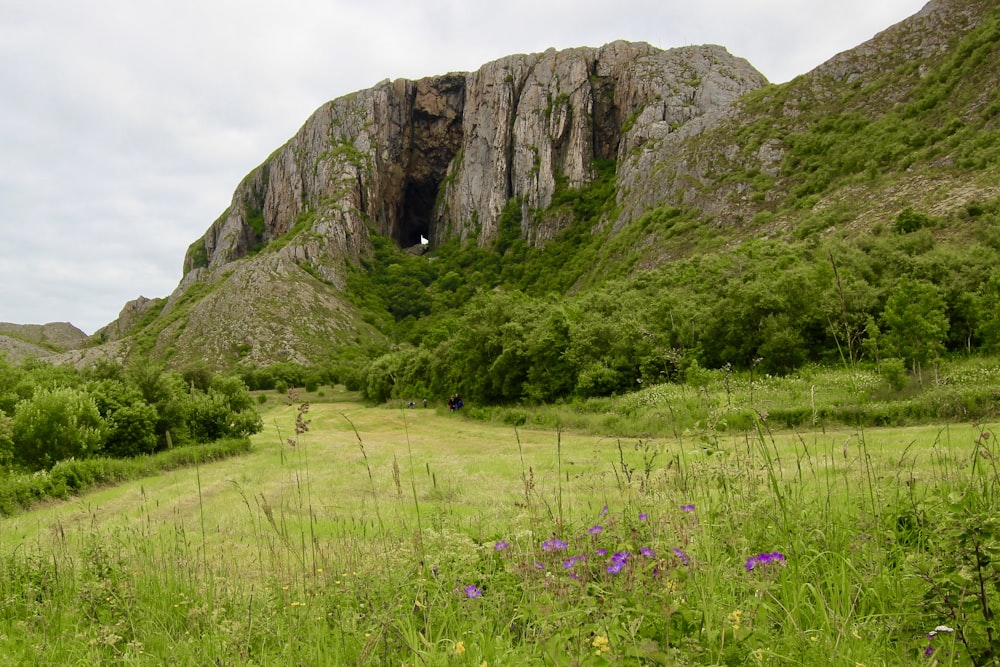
[522,547]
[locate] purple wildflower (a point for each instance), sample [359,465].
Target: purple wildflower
[604,510]
[539,565]
[929,651]
[501,545]
[473,591]
[553,545]
[763,559]
[643,516]
[596,530]
[647,552]
[687,508]
[683,556]
[601,552]
[618,561]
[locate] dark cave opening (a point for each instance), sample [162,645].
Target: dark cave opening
[417,211]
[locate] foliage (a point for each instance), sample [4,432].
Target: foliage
[50,413]
[56,424]
[767,306]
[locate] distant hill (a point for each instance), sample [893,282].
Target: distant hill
[20,341]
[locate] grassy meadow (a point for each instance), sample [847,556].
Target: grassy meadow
[357,535]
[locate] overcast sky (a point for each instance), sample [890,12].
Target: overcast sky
[126,125]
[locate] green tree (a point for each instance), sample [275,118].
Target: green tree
[226,410]
[56,424]
[6,441]
[988,323]
[130,421]
[915,323]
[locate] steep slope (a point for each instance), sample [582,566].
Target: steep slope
[889,124]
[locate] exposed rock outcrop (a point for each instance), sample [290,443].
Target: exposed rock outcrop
[442,157]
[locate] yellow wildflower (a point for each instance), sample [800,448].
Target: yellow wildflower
[459,647]
[735,617]
[600,645]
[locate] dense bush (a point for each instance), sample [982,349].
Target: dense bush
[50,414]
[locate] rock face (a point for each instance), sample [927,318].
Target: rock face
[442,157]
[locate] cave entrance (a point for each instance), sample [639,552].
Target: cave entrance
[436,117]
[417,212]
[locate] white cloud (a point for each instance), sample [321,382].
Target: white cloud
[125,126]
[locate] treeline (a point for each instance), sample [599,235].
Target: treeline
[909,293]
[54,413]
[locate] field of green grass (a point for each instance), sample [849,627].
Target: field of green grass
[357,535]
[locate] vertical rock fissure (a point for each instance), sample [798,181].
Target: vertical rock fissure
[436,136]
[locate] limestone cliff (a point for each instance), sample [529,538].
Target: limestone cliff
[441,157]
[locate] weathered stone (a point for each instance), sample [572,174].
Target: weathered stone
[442,157]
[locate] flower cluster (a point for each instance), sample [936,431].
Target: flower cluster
[618,561]
[554,545]
[764,559]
